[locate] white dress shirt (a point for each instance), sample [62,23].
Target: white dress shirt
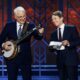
[62,30]
[18,26]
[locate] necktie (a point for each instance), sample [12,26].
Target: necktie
[60,38]
[19,32]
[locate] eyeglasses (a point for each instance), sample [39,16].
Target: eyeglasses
[21,17]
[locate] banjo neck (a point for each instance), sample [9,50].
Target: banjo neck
[14,49]
[27,34]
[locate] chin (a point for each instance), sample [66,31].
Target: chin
[56,25]
[22,22]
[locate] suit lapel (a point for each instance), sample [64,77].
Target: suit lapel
[56,35]
[65,32]
[24,28]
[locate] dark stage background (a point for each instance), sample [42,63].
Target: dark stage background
[39,11]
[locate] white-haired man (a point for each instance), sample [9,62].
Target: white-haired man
[23,59]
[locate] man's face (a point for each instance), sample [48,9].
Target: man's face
[20,17]
[57,21]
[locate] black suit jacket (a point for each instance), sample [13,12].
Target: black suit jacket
[10,33]
[69,56]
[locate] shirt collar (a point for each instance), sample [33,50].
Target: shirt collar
[61,26]
[18,24]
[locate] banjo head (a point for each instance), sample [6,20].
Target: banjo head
[9,54]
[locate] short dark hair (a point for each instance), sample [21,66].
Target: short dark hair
[57,13]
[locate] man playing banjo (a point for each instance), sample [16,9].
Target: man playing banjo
[12,32]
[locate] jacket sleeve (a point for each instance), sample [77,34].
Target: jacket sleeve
[75,38]
[52,38]
[3,35]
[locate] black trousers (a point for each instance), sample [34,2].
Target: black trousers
[68,72]
[13,69]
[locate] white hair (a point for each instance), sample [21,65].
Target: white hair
[19,8]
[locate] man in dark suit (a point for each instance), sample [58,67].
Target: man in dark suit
[12,31]
[67,58]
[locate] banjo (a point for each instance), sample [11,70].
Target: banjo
[14,47]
